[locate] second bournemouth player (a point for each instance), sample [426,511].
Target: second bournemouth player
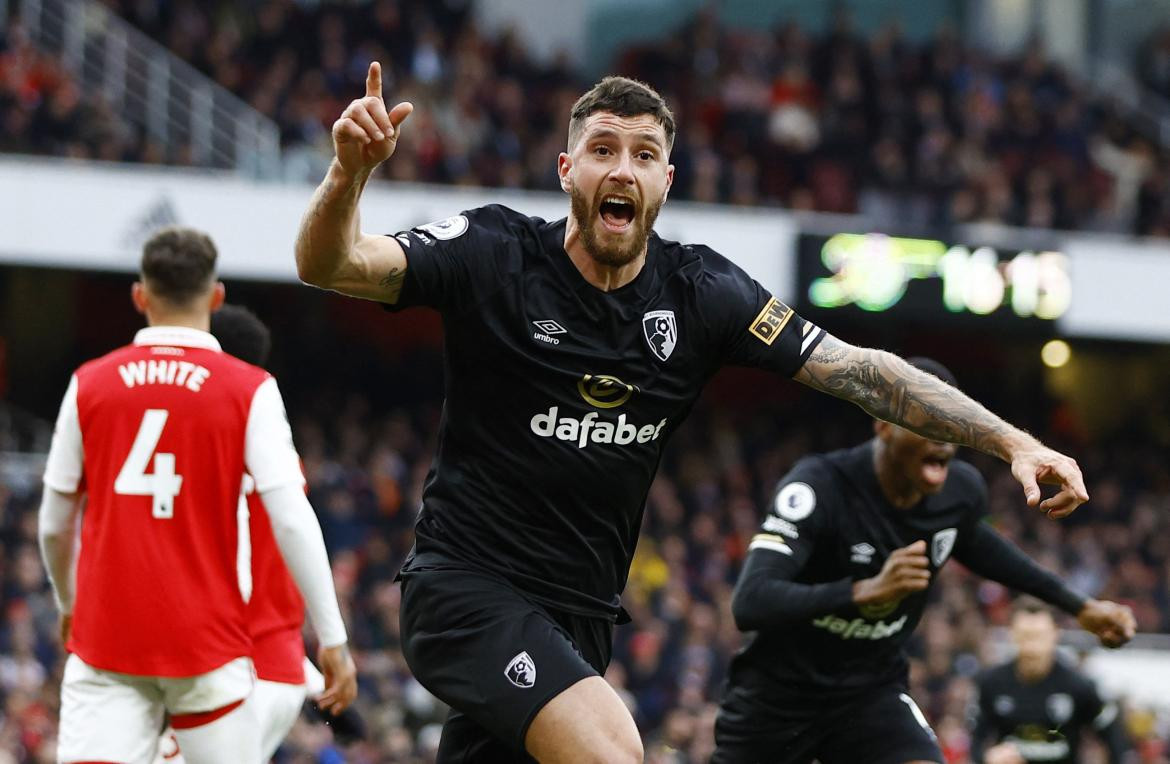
[574,348]
[836,582]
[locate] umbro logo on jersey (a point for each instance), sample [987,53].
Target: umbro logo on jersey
[521,670]
[661,332]
[548,328]
[862,553]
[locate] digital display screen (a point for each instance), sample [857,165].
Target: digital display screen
[924,278]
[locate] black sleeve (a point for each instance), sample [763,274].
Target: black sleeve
[756,329]
[449,261]
[766,596]
[1104,717]
[980,720]
[992,556]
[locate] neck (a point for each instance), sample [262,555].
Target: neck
[1033,670]
[200,321]
[896,489]
[605,277]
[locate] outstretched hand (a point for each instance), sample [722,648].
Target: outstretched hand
[340,678]
[1113,624]
[1035,464]
[365,135]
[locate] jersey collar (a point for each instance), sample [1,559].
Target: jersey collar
[181,336]
[553,238]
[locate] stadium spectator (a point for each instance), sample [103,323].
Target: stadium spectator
[934,133]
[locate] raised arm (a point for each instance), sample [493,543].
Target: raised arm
[888,388]
[331,250]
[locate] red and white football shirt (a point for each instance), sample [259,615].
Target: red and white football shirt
[159,434]
[276,610]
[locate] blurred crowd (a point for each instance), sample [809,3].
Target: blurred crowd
[366,468]
[928,134]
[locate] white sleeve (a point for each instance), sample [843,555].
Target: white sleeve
[299,537]
[64,467]
[57,533]
[269,453]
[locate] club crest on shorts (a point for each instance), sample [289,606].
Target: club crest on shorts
[521,670]
[661,332]
[941,545]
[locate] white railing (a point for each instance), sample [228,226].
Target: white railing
[174,104]
[1149,111]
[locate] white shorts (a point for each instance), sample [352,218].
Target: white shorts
[108,716]
[276,705]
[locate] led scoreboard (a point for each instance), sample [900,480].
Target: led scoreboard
[931,279]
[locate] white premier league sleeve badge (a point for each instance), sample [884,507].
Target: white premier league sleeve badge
[661,332]
[446,229]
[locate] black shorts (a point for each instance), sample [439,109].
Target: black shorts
[494,655]
[881,725]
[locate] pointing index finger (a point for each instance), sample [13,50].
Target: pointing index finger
[374,80]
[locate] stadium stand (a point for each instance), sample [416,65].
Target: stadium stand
[929,134]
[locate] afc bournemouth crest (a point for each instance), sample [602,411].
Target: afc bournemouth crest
[1060,707]
[661,332]
[521,670]
[941,546]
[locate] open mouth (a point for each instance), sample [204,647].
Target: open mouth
[934,469]
[617,213]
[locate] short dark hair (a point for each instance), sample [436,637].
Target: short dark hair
[178,264]
[242,334]
[625,98]
[1032,606]
[931,366]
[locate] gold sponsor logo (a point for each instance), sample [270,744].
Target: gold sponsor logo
[603,391]
[766,326]
[880,609]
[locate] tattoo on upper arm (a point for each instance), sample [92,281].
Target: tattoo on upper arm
[889,388]
[393,280]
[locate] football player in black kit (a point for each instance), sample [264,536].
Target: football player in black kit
[1033,709]
[835,583]
[573,349]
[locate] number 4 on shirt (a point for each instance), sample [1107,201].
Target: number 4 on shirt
[163,484]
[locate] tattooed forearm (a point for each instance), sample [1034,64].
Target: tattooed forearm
[891,389]
[333,253]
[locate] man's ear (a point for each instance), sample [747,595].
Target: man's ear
[218,295]
[138,297]
[564,167]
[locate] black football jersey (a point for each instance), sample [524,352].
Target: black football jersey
[560,396]
[1044,720]
[828,526]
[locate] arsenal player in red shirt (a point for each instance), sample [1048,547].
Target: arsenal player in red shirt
[154,440]
[276,611]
